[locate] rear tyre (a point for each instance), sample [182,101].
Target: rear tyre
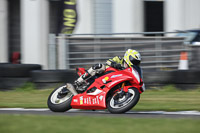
[124,103]
[58,103]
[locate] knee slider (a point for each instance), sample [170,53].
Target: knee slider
[97,68]
[100,68]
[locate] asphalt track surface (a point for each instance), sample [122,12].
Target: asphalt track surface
[104,113]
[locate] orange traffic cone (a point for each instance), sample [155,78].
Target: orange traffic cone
[183,62]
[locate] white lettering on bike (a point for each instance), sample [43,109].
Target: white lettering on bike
[81,100]
[96,92]
[75,100]
[114,76]
[89,100]
[95,100]
[85,100]
[101,98]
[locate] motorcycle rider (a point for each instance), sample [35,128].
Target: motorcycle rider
[131,58]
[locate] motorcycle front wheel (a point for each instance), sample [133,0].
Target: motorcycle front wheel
[60,103]
[118,103]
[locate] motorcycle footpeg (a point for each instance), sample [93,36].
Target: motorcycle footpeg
[81,88]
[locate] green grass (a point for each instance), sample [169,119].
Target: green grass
[89,124]
[167,98]
[24,99]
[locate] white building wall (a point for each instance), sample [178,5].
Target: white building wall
[182,14]
[102,16]
[3,31]
[192,13]
[127,16]
[85,17]
[174,18]
[34,32]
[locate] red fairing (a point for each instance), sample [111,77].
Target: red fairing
[95,96]
[129,74]
[90,101]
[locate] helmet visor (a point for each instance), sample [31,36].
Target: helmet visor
[134,61]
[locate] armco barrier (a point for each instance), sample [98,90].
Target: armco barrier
[186,77]
[53,76]
[16,75]
[12,76]
[182,79]
[17,70]
[16,82]
[157,77]
[50,78]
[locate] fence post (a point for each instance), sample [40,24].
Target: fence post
[52,63]
[96,49]
[61,52]
[158,47]
[67,53]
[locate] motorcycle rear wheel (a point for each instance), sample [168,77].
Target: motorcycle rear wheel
[59,104]
[125,103]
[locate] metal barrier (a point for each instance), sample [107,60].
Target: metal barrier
[83,50]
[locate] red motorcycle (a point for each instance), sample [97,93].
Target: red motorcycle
[115,90]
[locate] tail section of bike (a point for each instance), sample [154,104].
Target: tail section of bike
[80,71]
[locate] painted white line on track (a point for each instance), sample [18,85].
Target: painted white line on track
[169,113]
[23,109]
[101,111]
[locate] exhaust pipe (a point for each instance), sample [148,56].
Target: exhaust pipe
[71,88]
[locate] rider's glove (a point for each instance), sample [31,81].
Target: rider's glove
[116,65]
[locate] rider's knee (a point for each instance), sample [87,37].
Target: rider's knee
[97,68]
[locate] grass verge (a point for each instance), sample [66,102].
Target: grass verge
[168,99]
[89,124]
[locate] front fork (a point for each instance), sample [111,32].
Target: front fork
[123,91]
[124,88]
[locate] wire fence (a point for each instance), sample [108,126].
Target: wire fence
[158,50]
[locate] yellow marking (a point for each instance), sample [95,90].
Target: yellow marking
[106,78]
[81,101]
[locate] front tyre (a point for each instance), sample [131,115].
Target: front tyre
[123,103]
[60,103]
